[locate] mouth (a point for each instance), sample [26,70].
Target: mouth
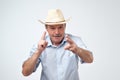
[57,35]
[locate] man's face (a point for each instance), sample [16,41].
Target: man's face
[56,32]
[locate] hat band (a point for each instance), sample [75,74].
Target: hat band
[56,22]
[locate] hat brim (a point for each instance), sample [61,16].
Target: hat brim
[52,23]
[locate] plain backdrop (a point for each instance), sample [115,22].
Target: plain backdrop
[97,22]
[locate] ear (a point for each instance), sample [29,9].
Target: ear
[65,24]
[46,26]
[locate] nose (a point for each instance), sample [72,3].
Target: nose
[56,31]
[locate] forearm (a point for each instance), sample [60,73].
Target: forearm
[85,55]
[29,65]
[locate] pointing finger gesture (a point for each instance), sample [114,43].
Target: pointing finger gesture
[43,36]
[71,45]
[42,43]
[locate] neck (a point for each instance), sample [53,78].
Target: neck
[56,44]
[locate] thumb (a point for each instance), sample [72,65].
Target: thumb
[67,47]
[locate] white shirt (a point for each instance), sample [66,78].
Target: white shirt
[57,63]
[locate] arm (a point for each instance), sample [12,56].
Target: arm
[29,65]
[85,55]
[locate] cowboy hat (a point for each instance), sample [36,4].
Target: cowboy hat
[54,16]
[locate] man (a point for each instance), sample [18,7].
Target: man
[58,52]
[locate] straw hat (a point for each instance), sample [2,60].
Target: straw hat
[54,16]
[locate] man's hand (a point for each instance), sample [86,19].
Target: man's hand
[30,63]
[42,43]
[71,45]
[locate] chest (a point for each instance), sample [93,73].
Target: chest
[58,56]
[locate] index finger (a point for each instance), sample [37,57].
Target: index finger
[43,35]
[69,40]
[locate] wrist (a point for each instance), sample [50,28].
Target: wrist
[79,50]
[38,52]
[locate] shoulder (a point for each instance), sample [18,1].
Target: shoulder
[78,40]
[74,38]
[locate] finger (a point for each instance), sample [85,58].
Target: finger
[67,47]
[69,40]
[43,35]
[44,45]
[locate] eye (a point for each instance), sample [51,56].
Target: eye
[52,28]
[60,27]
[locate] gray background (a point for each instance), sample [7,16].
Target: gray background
[96,21]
